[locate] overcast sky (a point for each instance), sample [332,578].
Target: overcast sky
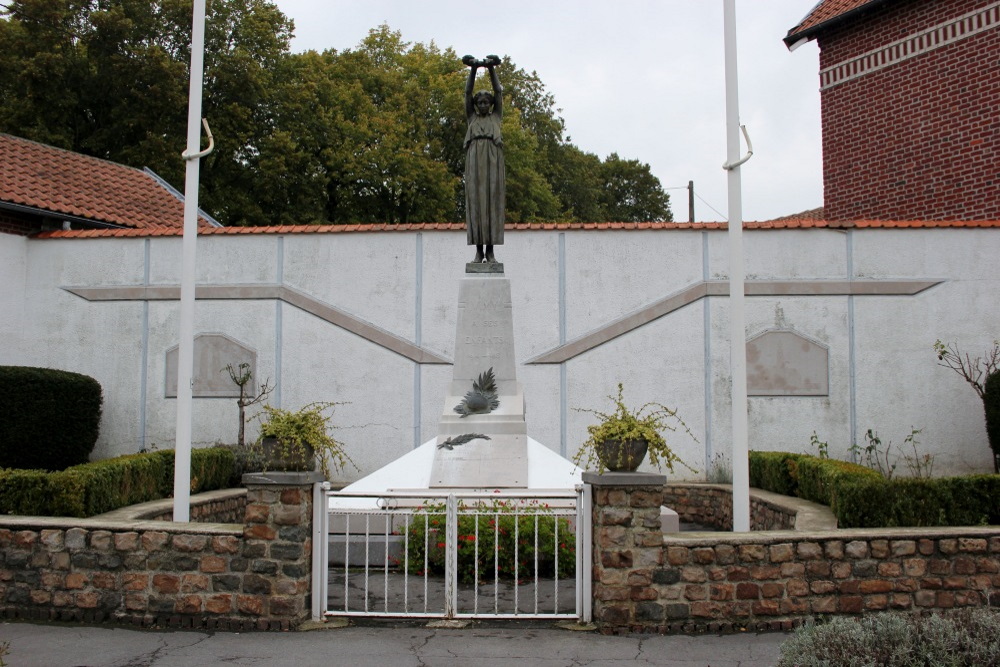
[643,78]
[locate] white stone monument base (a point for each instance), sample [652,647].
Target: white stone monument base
[500,462]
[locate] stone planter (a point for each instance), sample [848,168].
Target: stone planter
[622,456]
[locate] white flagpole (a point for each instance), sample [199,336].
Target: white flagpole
[185,353]
[737,320]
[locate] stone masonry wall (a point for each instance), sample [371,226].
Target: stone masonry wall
[712,505]
[222,506]
[775,580]
[254,576]
[628,547]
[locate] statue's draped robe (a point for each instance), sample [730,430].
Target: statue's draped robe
[485,191]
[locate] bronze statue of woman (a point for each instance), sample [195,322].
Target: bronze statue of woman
[485,190]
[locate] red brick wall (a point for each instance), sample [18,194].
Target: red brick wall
[917,139]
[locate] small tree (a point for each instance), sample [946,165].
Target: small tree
[241,376]
[978,372]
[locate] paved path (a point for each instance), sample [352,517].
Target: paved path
[47,645]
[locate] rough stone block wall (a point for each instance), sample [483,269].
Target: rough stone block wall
[712,505]
[913,140]
[628,548]
[775,580]
[224,510]
[254,576]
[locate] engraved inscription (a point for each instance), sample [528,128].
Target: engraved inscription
[484,340]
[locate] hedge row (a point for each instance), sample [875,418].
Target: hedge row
[94,488]
[861,498]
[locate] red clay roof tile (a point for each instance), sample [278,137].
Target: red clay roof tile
[60,181]
[822,14]
[784,223]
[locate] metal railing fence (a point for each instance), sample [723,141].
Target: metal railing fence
[452,555]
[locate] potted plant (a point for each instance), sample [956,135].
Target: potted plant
[297,440]
[621,439]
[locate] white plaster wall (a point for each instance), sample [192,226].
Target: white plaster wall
[13,273]
[407,283]
[900,385]
[101,340]
[611,275]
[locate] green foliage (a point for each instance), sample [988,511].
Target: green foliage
[950,501]
[103,486]
[631,192]
[991,404]
[966,638]
[648,423]
[822,448]
[775,471]
[497,531]
[819,480]
[303,437]
[372,134]
[862,498]
[49,419]
[879,457]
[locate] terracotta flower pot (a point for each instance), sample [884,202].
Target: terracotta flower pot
[622,456]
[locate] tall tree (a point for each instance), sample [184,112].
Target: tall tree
[631,193]
[370,134]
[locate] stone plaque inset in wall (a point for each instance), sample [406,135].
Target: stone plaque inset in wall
[785,363]
[212,352]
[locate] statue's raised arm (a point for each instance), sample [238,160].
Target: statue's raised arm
[491,65]
[485,186]
[470,84]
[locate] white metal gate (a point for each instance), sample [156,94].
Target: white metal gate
[452,555]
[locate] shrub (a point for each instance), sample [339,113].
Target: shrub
[820,479]
[94,488]
[862,498]
[49,419]
[498,532]
[775,471]
[950,501]
[967,638]
[991,404]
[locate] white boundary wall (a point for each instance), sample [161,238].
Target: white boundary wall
[407,283]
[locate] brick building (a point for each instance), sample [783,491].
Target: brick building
[910,91]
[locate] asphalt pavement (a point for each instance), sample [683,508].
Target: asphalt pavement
[405,645]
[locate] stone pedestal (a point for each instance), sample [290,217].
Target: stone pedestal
[277,545]
[628,549]
[484,339]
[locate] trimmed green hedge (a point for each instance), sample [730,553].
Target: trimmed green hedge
[49,419]
[94,488]
[861,498]
[991,405]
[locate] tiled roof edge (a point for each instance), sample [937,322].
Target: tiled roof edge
[797,34]
[576,226]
